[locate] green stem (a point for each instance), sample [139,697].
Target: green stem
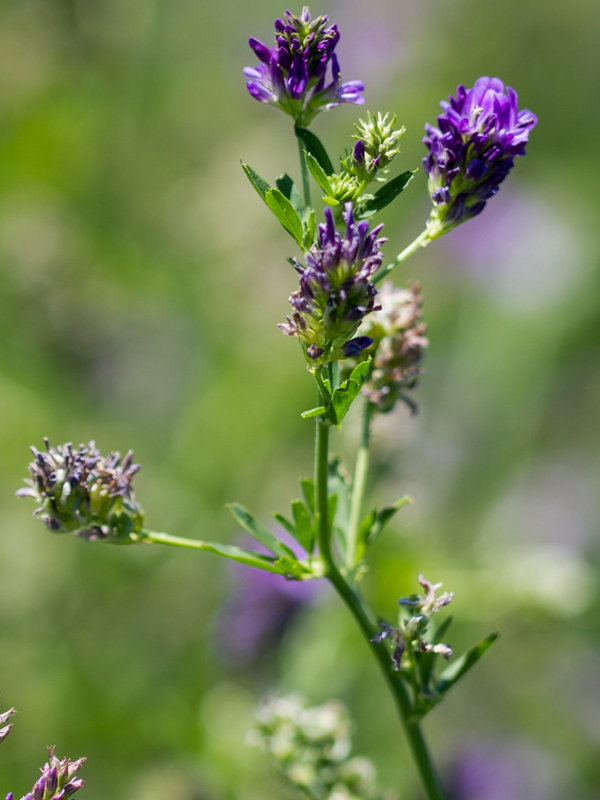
[358,487]
[176,541]
[321,499]
[422,240]
[304,171]
[366,621]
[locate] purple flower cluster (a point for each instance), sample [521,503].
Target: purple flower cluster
[335,293]
[57,781]
[480,134]
[293,74]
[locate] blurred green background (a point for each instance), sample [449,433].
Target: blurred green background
[141,285]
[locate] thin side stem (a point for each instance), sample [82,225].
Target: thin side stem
[304,171]
[359,484]
[176,541]
[422,240]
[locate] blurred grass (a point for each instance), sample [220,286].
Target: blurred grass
[141,285]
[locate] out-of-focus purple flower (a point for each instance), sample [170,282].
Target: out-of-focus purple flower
[335,293]
[472,151]
[504,771]
[293,75]
[258,611]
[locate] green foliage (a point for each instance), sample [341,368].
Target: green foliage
[285,202]
[462,665]
[315,148]
[261,533]
[384,196]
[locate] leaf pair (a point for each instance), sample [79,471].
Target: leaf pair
[285,202]
[339,401]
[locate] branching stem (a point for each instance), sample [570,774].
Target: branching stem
[422,240]
[366,621]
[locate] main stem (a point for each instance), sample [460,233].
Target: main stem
[359,484]
[304,171]
[365,620]
[422,240]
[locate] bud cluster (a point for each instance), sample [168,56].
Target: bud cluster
[311,745]
[57,782]
[376,147]
[335,293]
[81,491]
[293,75]
[409,635]
[480,133]
[400,342]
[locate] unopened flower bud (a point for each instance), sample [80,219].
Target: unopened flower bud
[378,140]
[82,492]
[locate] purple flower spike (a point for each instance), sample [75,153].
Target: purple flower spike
[293,74]
[335,292]
[472,151]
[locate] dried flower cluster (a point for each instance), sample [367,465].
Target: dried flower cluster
[409,634]
[81,491]
[400,343]
[311,745]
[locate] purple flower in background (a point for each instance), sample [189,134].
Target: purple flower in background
[259,609]
[335,293]
[293,75]
[508,771]
[480,133]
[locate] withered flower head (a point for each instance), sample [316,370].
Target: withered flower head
[400,343]
[82,492]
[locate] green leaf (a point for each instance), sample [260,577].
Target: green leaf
[285,213]
[385,195]
[364,531]
[361,371]
[314,146]
[286,525]
[308,490]
[309,229]
[441,630]
[338,484]
[346,394]
[243,556]
[313,412]
[255,528]
[260,184]
[462,665]
[318,174]
[287,187]
[385,515]
[304,525]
